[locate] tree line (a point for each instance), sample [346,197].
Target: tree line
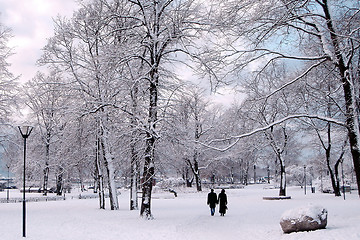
[115,102]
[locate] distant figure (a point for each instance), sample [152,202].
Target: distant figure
[222,202]
[212,201]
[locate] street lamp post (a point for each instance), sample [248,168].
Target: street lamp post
[305,178]
[25,133]
[254,174]
[8,183]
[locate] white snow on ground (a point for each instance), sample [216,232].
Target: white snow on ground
[185,217]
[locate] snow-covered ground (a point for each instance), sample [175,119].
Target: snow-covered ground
[185,217]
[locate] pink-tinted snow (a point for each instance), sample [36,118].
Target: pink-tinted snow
[185,217]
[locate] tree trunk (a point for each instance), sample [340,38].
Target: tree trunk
[82,186]
[337,179]
[59,182]
[189,182]
[108,161]
[46,178]
[99,175]
[196,153]
[134,178]
[196,171]
[134,164]
[186,177]
[149,165]
[147,181]
[334,182]
[279,157]
[109,165]
[282,191]
[46,169]
[101,191]
[246,174]
[197,177]
[194,166]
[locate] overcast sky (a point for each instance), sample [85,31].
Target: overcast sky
[31,23]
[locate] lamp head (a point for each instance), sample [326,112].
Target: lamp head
[25,131]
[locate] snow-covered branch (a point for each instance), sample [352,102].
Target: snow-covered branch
[261,129]
[296,79]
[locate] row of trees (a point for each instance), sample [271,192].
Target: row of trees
[319,36]
[114,104]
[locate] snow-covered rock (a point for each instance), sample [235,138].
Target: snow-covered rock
[304,219]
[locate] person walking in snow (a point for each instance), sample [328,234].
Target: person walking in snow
[222,202]
[212,201]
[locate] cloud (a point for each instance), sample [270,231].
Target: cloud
[31,22]
[227,95]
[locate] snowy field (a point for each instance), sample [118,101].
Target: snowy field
[185,217]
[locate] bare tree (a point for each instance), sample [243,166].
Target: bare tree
[160,28]
[323,97]
[48,102]
[193,121]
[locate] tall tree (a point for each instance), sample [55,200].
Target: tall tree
[323,97]
[197,113]
[48,101]
[161,28]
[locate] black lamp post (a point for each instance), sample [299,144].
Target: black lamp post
[25,133]
[254,174]
[8,183]
[305,178]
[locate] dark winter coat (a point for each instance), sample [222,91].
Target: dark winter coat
[222,202]
[212,199]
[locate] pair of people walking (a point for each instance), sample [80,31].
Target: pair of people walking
[212,200]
